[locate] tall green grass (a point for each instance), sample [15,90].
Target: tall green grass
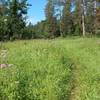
[41,71]
[60,69]
[85,53]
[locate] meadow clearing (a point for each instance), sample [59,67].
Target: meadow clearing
[59,69]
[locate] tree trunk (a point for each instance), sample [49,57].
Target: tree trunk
[83,19]
[83,25]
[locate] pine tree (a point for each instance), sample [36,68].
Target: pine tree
[89,16]
[78,17]
[66,21]
[97,17]
[59,5]
[51,19]
[3,12]
[16,19]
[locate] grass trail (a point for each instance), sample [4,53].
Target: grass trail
[85,53]
[44,70]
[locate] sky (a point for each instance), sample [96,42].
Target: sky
[36,11]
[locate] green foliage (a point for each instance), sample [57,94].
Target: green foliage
[3,28]
[63,18]
[51,19]
[15,18]
[41,29]
[28,32]
[66,24]
[77,18]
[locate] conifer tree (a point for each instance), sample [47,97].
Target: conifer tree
[66,21]
[50,18]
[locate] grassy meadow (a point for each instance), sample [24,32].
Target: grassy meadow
[59,69]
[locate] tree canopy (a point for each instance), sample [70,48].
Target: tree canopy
[63,18]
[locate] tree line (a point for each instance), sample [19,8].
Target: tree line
[63,18]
